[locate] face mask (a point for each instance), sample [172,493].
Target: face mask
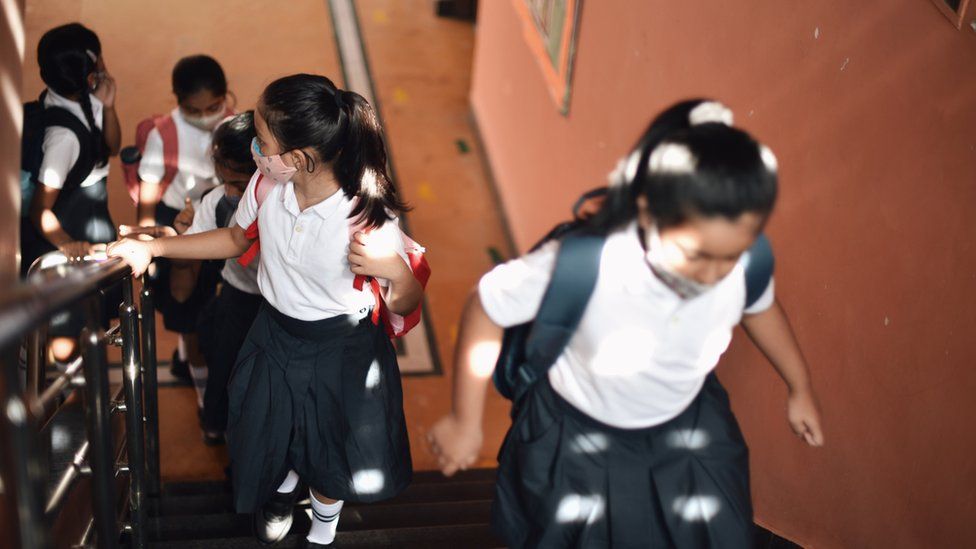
[685,287]
[271,167]
[206,122]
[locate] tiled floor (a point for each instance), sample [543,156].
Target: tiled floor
[421,71]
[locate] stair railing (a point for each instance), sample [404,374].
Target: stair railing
[28,405]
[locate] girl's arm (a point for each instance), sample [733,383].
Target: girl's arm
[456,439]
[111,129]
[215,244]
[771,332]
[149,195]
[47,223]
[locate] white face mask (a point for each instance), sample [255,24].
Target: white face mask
[656,258]
[206,122]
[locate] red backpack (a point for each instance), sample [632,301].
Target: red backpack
[395,325]
[171,153]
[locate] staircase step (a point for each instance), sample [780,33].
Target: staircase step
[194,488]
[466,536]
[430,492]
[375,516]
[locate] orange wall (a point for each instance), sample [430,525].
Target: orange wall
[871,108]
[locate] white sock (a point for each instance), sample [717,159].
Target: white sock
[199,376]
[181,348]
[325,519]
[291,481]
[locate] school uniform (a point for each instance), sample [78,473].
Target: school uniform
[193,179]
[316,387]
[628,441]
[226,319]
[82,209]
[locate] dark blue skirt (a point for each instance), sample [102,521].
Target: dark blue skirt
[323,398]
[567,480]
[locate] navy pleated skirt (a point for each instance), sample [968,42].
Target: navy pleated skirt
[567,480]
[323,398]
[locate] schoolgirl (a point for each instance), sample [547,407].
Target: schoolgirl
[315,393]
[68,208]
[167,183]
[224,323]
[628,439]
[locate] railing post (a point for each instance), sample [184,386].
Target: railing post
[20,474]
[36,361]
[135,435]
[100,455]
[148,328]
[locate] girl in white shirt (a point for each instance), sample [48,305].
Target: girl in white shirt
[69,208]
[629,441]
[315,395]
[200,87]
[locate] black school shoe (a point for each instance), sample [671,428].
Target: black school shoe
[313,545]
[273,521]
[180,369]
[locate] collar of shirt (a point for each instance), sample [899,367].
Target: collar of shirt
[54,99]
[323,209]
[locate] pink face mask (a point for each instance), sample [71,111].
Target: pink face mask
[272,166]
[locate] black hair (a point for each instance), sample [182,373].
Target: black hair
[730,174]
[309,111]
[232,143]
[196,73]
[64,55]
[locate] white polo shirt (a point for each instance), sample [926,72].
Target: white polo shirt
[641,353]
[195,172]
[61,148]
[243,278]
[304,271]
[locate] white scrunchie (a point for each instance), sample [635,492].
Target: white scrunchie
[710,111]
[672,158]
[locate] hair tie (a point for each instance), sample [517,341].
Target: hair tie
[710,112]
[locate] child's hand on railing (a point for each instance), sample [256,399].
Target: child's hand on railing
[137,254]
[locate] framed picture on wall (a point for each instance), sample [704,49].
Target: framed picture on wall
[549,27]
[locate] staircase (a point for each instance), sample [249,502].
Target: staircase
[434,512]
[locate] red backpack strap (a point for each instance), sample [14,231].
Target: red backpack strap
[171,148]
[130,171]
[260,193]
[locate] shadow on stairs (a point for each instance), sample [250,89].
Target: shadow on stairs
[433,512]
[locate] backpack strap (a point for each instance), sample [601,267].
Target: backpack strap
[261,192]
[171,148]
[760,264]
[573,280]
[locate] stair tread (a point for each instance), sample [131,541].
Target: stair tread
[468,536]
[415,493]
[189,488]
[362,517]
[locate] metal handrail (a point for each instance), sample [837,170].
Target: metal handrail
[32,303]
[52,287]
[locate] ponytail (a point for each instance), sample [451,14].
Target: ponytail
[361,165]
[309,111]
[98,144]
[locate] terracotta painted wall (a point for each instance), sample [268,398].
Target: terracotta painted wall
[871,108]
